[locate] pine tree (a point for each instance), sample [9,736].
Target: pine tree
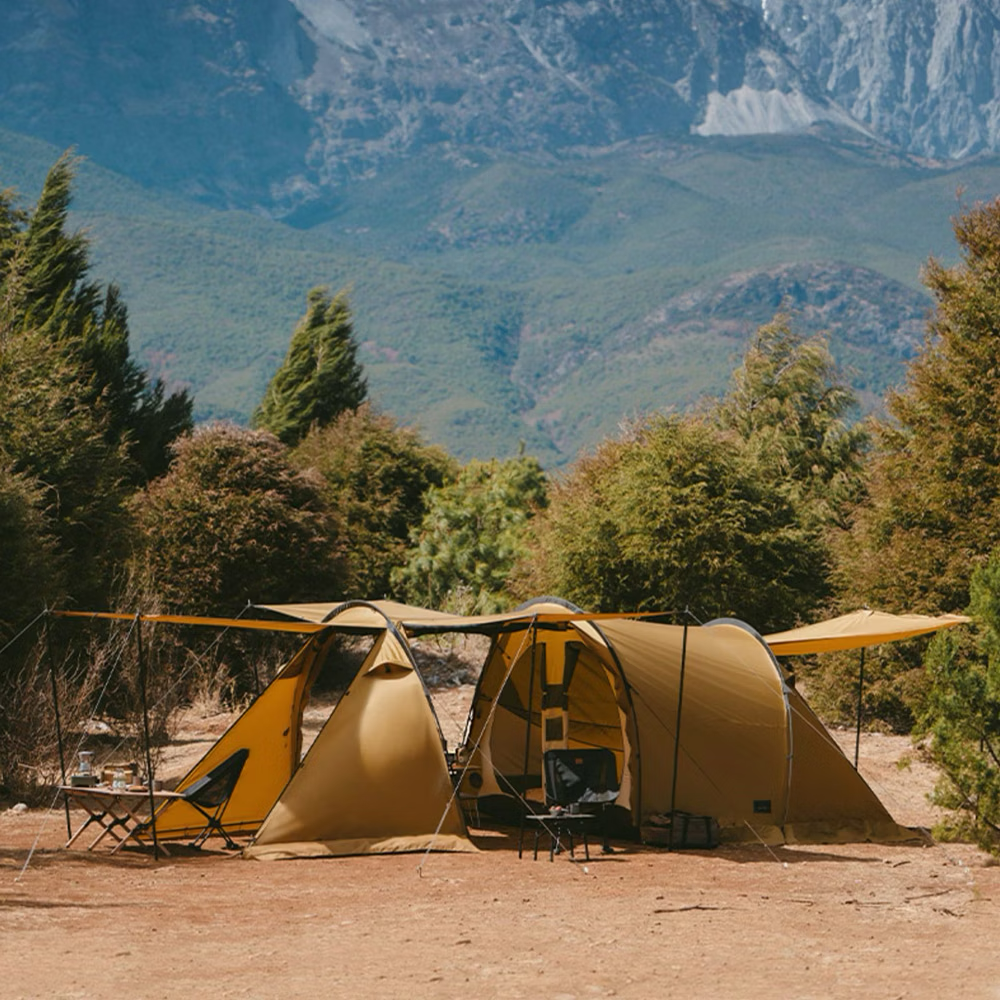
[789,403]
[44,289]
[961,715]
[376,475]
[320,377]
[78,417]
[473,533]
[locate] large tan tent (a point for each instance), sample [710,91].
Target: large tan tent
[750,752]
[375,779]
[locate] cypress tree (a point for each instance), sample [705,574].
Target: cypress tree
[320,377]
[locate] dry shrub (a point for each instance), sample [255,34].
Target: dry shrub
[100,706]
[29,746]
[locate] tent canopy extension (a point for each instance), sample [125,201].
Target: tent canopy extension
[856,631]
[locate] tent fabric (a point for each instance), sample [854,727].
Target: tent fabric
[856,630]
[270,729]
[376,780]
[752,753]
[372,615]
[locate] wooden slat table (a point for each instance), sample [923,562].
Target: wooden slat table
[119,812]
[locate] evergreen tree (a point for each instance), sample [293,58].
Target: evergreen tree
[44,290]
[788,402]
[30,576]
[233,520]
[961,715]
[933,507]
[472,535]
[320,377]
[78,417]
[677,514]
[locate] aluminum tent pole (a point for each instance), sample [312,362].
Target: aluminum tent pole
[677,736]
[145,731]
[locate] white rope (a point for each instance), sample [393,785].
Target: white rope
[30,625]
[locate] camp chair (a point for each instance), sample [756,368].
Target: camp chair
[210,795]
[575,781]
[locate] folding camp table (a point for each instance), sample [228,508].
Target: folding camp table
[119,812]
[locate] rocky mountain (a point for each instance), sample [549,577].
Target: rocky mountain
[923,75]
[274,103]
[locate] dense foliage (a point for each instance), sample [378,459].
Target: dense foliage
[320,377]
[679,515]
[80,422]
[725,513]
[788,403]
[472,535]
[929,513]
[934,488]
[961,715]
[376,476]
[234,521]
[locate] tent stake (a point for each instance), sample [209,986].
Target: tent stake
[145,730]
[677,737]
[55,705]
[861,687]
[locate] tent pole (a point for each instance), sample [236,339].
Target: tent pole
[145,731]
[55,705]
[861,687]
[531,691]
[677,736]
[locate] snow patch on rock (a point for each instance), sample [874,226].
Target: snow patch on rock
[335,21]
[748,111]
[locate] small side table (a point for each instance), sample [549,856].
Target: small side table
[557,825]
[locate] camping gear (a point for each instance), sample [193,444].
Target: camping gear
[577,782]
[752,754]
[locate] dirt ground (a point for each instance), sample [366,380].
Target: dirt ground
[847,921]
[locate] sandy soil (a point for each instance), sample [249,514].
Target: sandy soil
[848,921]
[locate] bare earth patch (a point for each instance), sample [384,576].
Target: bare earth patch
[859,920]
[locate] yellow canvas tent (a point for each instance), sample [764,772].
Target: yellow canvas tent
[374,781]
[749,751]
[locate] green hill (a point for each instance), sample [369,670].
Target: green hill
[500,299]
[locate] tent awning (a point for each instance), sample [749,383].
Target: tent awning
[373,615]
[857,629]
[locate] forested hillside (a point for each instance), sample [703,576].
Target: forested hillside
[551,216]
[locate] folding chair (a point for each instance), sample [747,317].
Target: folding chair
[210,795]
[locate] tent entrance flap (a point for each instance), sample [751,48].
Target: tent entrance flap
[553,693]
